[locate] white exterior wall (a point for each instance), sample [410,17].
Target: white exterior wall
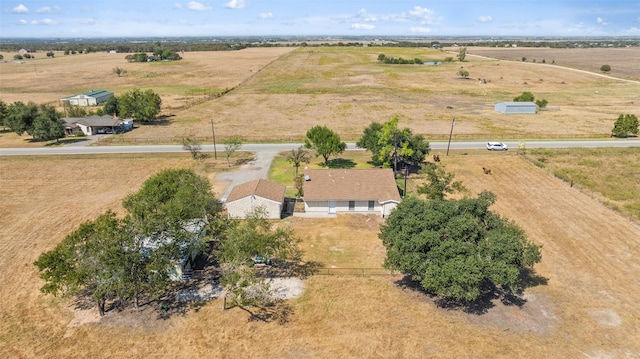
[82,100]
[87,130]
[239,208]
[387,207]
[361,207]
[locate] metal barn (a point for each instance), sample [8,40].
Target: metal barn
[516,107]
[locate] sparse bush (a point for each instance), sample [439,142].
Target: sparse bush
[542,103]
[524,97]
[605,68]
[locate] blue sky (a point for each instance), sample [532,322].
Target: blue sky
[137,18]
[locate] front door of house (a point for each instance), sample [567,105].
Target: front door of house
[332,207]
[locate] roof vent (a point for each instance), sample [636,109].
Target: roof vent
[307,178]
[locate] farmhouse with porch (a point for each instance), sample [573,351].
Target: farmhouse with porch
[362,191]
[90,98]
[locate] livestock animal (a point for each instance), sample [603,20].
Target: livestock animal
[436,158]
[486,170]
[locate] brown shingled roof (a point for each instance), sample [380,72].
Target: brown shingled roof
[351,184]
[260,187]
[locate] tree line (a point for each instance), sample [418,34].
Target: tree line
[42,122]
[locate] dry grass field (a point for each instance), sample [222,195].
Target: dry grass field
[282,92]
[588,307]
[623,61]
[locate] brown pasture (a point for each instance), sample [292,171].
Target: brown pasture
[587,308]
[623,61]
[279,93]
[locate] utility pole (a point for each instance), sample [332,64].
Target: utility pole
[405,172]
[213,131]
[395,153]
[453,123]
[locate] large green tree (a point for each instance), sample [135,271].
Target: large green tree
[48,124]
[245,241]
[124,259]
[453,248]
[624,125]
[20,116]
[388,144]
[140,105]
[92,259]
[42,122]
[325,142]
[111,106]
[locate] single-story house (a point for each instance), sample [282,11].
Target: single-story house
[95,124]
[245,197]
[183,267]
[90,98]
[364,191]
[516,107]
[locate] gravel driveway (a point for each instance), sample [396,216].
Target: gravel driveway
[258,168]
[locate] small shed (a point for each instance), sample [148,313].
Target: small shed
[245,197]
[516,108]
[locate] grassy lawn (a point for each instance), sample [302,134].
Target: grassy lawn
[283,172]
[611,174]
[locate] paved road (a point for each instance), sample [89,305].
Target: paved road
[259,167]
[70,150]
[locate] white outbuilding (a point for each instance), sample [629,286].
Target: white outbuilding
[516,108]
[246,197]
[89,98]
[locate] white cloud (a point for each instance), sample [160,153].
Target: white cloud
[22,21]
[420,29]
[235,4]
[485,18]
[177,5]
[422,14]
[602,21]
[88,21]
[20,9]
[43,22]
[265,15]
[197,6]
[633,30]
[359,26]
[47,9]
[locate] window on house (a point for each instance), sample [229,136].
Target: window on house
[352,205]
[371,205]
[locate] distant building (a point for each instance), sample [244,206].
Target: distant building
[516,108]
[94,125]
[90,98]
